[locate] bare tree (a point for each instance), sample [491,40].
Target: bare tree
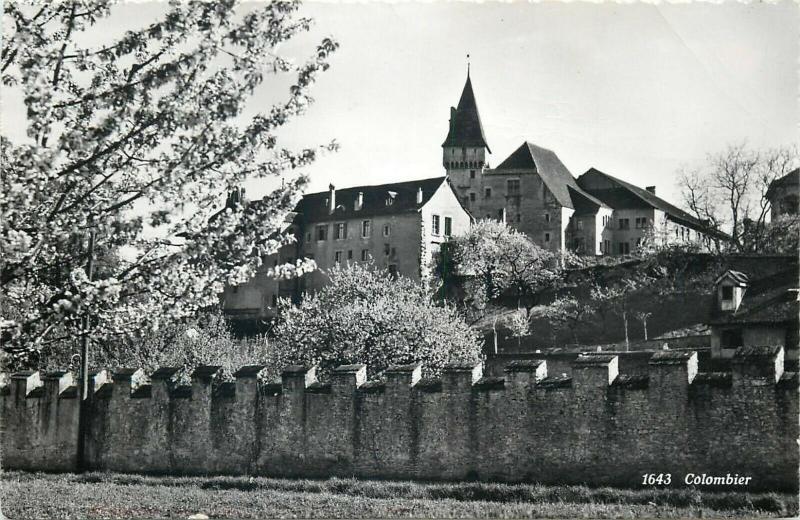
[642,317]
[729,192]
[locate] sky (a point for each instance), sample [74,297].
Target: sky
[635,90]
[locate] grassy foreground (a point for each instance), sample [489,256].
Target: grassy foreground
[110,495]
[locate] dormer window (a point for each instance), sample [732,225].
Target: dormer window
[390,197]
[730,288]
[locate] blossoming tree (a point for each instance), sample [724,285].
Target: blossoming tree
[131,147]
[364,315]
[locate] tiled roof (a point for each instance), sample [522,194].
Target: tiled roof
[793,177]
[553,173]
[403,195]
[627,195]
[772,299]
[736,276]
[465,122]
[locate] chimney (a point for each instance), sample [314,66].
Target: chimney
[359,201]
[331,198]
[419,195]
[651,189]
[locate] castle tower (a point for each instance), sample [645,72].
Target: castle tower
[464,150]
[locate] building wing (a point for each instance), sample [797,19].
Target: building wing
[623,195]
[368,201]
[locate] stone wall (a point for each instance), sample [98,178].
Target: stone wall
[598,426]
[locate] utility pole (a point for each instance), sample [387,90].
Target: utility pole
[83,408]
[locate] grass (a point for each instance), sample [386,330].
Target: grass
[110,495]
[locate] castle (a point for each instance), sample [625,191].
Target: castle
[400,226]
[532,190]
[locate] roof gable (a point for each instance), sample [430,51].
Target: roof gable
[465,121]
[553,173]
[737,277]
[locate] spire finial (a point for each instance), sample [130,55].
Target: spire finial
[467,65]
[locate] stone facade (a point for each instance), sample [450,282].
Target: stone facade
[398,227]
[598,426]
[783,195]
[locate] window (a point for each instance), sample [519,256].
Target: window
[364,255]
[386,230]
[472,197]
[512,187]
[547,217]
[435,225]
[580,225]
[624,248]
[340,231]
[731,338]
[448,226]
[386,249]
[393,271]
[519,217]
[472,174]
[607,247]
[322,232]
[337,257]
[487,193]
[600,246]
[547,237]
[366,228]
[727,292]
[641,223]
[624,223]
[349,254]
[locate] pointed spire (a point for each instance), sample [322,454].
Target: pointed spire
[465,122]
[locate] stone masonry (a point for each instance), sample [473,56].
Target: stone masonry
[597,427]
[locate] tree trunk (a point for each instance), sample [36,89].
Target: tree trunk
[625,322]
[644,323]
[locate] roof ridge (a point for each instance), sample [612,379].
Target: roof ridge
[384,185]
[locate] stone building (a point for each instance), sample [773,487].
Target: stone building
[783,195]
[398,226]
[755,312]
[636,215]
[534,192]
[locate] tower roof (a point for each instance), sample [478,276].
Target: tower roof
[465,122]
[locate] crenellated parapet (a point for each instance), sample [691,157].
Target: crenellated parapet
[526,425]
